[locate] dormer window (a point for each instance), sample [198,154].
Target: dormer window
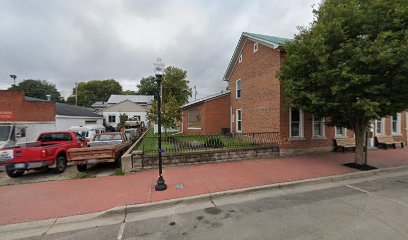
[240,58]
[255,47]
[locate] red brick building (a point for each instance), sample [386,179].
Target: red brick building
[257,103]
[25,109]
[207,116]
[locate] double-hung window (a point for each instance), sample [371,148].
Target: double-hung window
[396,124]
[379,126]
[296,122]
[238,89]
[255,47]
[239,120]
[318,128]
[341,131]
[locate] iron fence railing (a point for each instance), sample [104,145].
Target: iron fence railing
[188,143]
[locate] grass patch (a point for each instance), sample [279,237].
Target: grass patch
[83,175]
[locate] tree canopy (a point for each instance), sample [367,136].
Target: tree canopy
[350,64]
[95,90]
[38,89]
[175,93]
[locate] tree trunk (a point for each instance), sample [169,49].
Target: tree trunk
[360,132]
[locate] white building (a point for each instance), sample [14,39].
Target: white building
[131,109]
[70,115]
[142,100]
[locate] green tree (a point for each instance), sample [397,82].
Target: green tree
[351,64]
[93,91]
[175,93]
[129,92]
[38,89]
[122,119]
[147,86]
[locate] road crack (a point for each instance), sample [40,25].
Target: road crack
[53,224]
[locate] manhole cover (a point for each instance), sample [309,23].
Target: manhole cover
[179,186]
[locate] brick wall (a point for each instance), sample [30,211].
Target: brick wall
[214,115]
[260,89]
[263,104]
[13,101]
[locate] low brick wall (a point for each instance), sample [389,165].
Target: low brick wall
[141,161]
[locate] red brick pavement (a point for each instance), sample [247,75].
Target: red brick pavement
[37,201]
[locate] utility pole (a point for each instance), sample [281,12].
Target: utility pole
[195,92]
[76,94]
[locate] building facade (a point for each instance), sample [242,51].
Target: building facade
[132,110]
[207,116]
[257,103]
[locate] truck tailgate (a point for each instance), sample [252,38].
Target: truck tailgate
[94,153]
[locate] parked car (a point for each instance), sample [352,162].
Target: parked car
[88,131]
[50,150]
[106,147]
[131,134]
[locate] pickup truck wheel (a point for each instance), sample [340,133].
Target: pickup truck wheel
[61,164]
[81,167]
[14,174]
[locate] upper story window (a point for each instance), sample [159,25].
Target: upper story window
[255,47]
[296,122]
[238,89]
[341,131]
[318,128]
[240,58]
[396,123]
[112,119]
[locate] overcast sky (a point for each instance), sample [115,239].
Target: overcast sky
[80,40]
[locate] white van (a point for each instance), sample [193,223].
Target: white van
[12,134]
[88,131]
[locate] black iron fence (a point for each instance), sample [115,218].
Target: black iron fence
[188,143]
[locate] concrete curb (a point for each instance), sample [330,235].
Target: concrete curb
[143,207]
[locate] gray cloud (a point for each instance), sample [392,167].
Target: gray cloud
[68,41]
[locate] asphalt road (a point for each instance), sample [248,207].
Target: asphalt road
[370,208]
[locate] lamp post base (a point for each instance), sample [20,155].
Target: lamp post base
[160,185]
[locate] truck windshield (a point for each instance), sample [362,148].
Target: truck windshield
[4,133]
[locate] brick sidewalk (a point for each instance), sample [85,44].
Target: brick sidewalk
[37,201]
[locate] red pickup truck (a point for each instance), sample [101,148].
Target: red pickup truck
[50,150]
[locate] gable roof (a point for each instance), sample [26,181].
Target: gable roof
[72,110]
[267,40]
[142,99]
[126,106]
[208,98]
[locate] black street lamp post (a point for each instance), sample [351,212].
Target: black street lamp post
[159,71]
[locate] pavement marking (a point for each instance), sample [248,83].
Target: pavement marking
[358,189]
[121,230]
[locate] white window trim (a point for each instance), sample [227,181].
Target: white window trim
[236,89]
[382,127]
[301,127]
[240,58]
[236,120]
[398,132]
[323,129]
[340,136]
[256,47]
